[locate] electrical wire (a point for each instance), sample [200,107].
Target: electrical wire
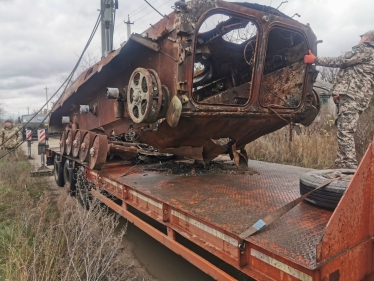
[136,11]
[66,83]
[152,10]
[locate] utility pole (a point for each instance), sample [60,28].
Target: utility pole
[46,96]
[108,11]
[128,27]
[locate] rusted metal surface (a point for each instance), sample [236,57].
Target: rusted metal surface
[244,90]
[98,152]
[86,144]
[350,231]
[168,241]
[69,141]
[62,142]
[77,140]
[127,153]
[211,210]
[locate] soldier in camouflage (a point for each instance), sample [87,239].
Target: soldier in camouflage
[9,139]
[354,86]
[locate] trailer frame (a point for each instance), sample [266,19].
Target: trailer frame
[343,240]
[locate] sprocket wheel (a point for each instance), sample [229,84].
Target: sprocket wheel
[139,95]
[156,96]
[142,90]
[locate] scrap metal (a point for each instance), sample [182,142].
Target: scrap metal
[150,90]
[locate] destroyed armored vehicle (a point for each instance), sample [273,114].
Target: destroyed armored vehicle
[207,79]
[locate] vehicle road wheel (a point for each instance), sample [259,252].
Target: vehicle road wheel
[330,195]
[58,171]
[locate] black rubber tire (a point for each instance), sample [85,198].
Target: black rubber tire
[58,171]
[330,195]
[73,181]
[66,172]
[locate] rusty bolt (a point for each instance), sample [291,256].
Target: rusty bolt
[265,18]
[75,143]
[165,212]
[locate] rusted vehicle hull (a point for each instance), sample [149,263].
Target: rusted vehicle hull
[241,91]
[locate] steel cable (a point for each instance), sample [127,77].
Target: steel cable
[66,83]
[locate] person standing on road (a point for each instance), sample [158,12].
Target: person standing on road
[9,139]
[354,87]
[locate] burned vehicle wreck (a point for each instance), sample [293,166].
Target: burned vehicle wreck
[210,70]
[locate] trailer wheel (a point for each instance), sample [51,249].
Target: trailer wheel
[58,171]
[73,181]
[330,195]
[66,172]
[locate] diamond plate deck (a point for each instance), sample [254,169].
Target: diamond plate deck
[235,202]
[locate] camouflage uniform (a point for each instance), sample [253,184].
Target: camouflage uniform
[355,84]
[14,137]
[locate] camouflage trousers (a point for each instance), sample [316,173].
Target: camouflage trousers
[11,155]
[346,125]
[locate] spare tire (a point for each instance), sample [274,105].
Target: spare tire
[330,195]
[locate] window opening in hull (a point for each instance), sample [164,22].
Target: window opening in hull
[224,60]
[284,71]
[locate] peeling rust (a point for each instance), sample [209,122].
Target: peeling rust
[213,69]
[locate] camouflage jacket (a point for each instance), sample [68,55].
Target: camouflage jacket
[12,134]
[355,78]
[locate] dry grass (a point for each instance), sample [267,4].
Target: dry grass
[315,147]
[39,242]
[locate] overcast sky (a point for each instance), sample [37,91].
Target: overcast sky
[40,40]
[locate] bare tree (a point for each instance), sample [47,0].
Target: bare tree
[88,60]
[328,74]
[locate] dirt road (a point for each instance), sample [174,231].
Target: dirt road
[150,259]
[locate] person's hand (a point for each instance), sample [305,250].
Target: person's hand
[309,58]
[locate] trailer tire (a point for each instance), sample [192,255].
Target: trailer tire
[330,195]
[58,171]
[73,182]
[66,172]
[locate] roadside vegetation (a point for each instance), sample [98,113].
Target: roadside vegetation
[316,145]
[41,240]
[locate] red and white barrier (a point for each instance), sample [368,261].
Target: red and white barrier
[41,135]
[28,135]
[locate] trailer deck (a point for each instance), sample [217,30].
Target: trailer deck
[211,210]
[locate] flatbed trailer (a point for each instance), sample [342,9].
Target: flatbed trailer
[201,217]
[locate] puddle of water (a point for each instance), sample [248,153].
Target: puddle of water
[159,261]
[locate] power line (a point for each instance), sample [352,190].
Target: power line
[66,83]
[144,5]
[155,9]
[152,11]
[136,11]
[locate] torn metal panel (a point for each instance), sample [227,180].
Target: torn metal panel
[214,69]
